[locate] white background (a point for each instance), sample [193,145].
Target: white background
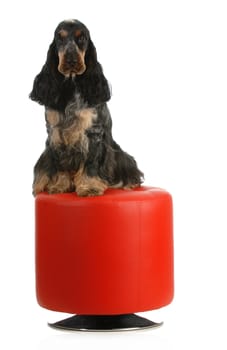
[167,64]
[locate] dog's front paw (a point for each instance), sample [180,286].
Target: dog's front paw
[84,191]
[40,183]
[90,186]
[131,186]
[60,183]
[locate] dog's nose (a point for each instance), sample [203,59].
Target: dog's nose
[71,58]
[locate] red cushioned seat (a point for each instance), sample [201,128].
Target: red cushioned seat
[105,255]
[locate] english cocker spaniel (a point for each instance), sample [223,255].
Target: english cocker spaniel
[80,153]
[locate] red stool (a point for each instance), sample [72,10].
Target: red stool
[104,258]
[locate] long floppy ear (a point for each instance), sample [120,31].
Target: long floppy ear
[45,87]
[93,84]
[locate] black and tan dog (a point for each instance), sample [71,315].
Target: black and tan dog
[80,153]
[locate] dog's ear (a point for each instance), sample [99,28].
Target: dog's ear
[45,86]
[93,84]
[90,56]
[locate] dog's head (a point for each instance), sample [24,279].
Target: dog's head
[71,39]
[71,57]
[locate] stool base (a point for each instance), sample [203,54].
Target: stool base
[104,323]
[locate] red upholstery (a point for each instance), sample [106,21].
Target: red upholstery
[106,255]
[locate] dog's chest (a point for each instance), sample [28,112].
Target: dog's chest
[70,130]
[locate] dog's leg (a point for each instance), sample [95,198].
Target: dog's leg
[40,183]
[48,179]
[42,171]
[126,169]
[88,185]
[86,179]
[60,183]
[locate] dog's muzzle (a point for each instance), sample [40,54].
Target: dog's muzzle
[71,55]
[71,60]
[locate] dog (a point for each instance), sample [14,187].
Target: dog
[80,154]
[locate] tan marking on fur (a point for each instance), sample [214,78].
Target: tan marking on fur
[126,187]
[55,138]
[81,62]
[77,33]
[60,183]
[118,185]
[40,184]
[87,116]
[88,186]
[79,67]
[76,132]
[61,61]
[52,117]
[78,175]
[63,33]
[131,186]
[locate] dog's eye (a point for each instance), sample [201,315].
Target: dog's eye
[81,39]
[62,34]
[60,40]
